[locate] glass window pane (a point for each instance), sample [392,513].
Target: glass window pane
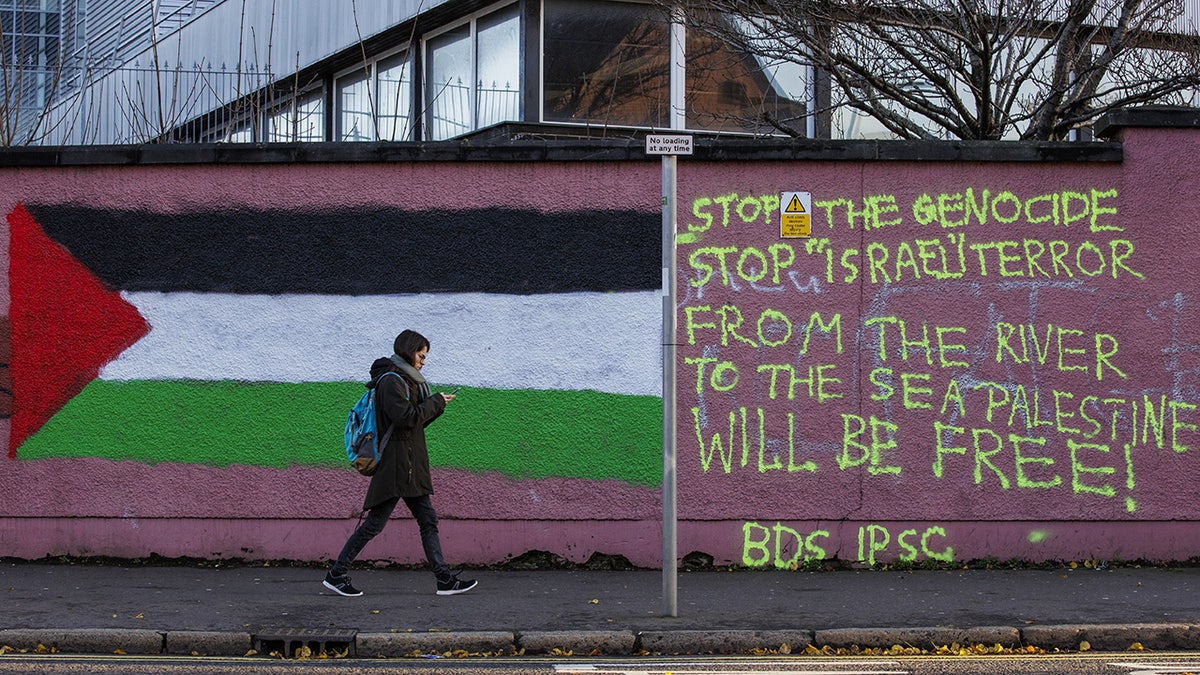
[606,62]
[244,134]
[355,122]
[29,50]
[395,98]
[278,127]
[304,122]
[449,84]
[733,91]
[31,22]
[499,67]
[311,123]
[51,55]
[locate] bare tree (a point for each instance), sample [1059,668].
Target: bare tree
[969,69]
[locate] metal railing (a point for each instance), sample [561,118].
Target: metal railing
[451,112]
[135,104]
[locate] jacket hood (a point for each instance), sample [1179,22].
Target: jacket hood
[379,367]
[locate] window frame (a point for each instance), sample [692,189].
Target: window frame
[472,21]
[674,70]
[292,106]
[369,73]
[408,58]
[364,75]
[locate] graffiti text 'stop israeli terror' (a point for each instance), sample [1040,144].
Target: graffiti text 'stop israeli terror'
[971,235]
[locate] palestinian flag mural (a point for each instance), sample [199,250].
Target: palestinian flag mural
[241,336]
[64,325]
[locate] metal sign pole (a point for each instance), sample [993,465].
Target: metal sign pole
[682,144]
[670,510]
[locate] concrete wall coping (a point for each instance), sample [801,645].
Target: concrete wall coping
[551,143]
[518,142]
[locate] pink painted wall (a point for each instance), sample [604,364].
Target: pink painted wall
[981,443]
[861,469]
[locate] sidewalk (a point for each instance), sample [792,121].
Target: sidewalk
[228,611]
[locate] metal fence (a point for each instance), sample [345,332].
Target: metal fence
[137,104]
[457,108]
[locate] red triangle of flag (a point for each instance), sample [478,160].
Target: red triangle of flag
[65,324]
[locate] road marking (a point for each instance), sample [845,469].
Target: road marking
[1159,668]
[685,668]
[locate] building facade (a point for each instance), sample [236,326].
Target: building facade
[396,70]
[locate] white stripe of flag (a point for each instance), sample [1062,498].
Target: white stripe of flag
[609,342]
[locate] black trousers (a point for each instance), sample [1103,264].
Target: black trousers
[377,518]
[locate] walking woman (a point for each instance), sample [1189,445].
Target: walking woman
[405,404]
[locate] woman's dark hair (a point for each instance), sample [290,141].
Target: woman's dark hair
[408,343]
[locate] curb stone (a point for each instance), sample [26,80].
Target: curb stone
[1114,637]
[1101,637]
[393,645]
[579,642]
[86,640]
[207,643]
[924,638]
[722,641]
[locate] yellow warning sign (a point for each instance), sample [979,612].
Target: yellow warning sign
[795,217]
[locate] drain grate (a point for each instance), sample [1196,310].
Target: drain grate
[288,641]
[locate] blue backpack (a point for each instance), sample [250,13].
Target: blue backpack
[361,433]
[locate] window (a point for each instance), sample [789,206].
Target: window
[498,47]
[375,103]
[241,134]
[732,91]
[473,75]
[355,119]
[449,84]
[30,35]
[394,108]
[301,120]
[605,62]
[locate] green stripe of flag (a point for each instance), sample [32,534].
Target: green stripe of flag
[519,433]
